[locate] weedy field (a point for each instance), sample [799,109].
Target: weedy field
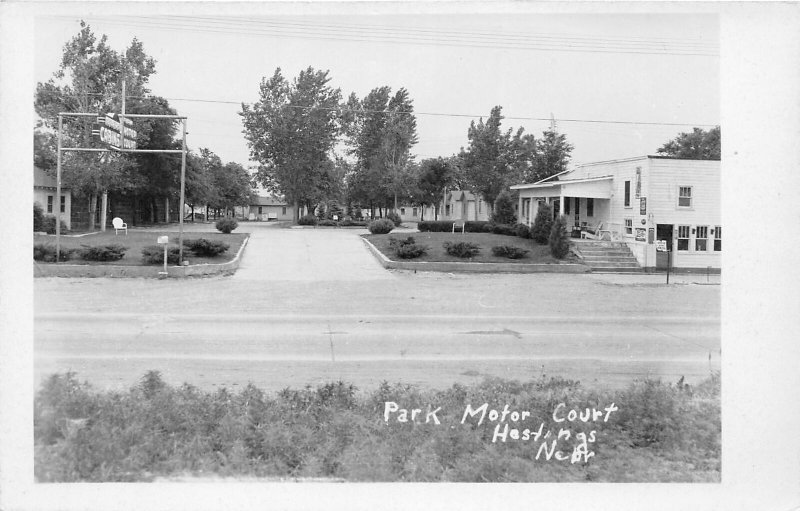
[548,430]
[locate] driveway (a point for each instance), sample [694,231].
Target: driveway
[307,254]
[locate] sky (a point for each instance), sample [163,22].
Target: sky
[608,71]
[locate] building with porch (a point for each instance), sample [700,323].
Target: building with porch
[267,208]
[648,202]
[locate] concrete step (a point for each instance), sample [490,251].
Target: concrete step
[602,253]
[606,269]
[613,263]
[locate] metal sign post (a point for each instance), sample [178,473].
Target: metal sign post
[669,263]
[164,240]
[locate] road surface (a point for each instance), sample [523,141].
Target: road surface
[327,311]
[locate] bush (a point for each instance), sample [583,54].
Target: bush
[327,223]
[559,241]
[435,226]
[38,218]
[202,247]
[504,209]
[49,224]
[523,231]
[476,226]
[488,228]
[154,254]
[407,248]
[394,217]
[462,249]
[381,226]
[109,252]
[352,223]
[504,229]
[542,224]
[307,220]
[509,252]
[46,252]
[227,224]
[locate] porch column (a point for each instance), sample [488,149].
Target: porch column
[519,207]
[561,205]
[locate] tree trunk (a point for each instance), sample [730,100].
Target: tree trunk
[152,211]
[103,210]
[296,212]
[92,210]
[192,206]
[166,210]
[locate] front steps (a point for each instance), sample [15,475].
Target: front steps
[607,257]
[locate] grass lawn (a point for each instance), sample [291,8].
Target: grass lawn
[136,240]
[539,254]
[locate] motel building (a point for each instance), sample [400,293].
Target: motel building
[649,203]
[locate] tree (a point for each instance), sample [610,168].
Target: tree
[542,224]
[697,145]
[484,161]
[558,240]
[552,156]
[435,174]
[291,131]
[381,130]
[504,209]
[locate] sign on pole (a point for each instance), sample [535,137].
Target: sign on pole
[116,131]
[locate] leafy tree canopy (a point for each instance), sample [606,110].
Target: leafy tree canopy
[697,145]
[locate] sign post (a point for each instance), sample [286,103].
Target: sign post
[164,240]
[661,246]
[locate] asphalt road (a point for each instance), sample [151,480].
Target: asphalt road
[325,311]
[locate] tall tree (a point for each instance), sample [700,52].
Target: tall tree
[552,156]
[89,79]
[485,161]
[291,131]
[697,145]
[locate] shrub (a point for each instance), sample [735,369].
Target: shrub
[109,252]
[381,226]
[559,241]
[504,229]
[394,217]
[49,224]
[435,226]
[542,224]
[327,223]
[504,209]
[154,254]
[407,248]
[307,220]
[46,252]
[38,218]
[202,247]
[462,249]
[476,226]
[352,223]
[509,252]
[488,228]
[227,224]
[523,231]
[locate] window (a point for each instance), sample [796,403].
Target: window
[260,210]
[413,211]
[717,239]
[480,206]
[447,210]
[685,197]
[403,211]
[49,203]
[566,205]
[627,194]
[284,210]
[629,226]
[701,238]
[63,203]
[590,207]
[683,237]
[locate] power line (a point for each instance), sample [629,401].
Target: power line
[338,34]
[435,114]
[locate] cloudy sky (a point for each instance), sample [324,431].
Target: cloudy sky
[618,85]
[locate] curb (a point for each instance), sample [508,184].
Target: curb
[153,272]
[474,267]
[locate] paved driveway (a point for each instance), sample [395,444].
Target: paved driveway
[307,254]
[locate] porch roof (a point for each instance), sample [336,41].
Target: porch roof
[595,187]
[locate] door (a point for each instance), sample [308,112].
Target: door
[663,232]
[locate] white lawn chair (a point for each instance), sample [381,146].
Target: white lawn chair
[459,224]
[119,225]
[595,234]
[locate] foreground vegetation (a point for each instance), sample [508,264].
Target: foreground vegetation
[659,432]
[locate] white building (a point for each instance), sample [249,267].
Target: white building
[44,193]
[640,201]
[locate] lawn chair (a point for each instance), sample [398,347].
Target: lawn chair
[459,224]
[593,234]
[119,225]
